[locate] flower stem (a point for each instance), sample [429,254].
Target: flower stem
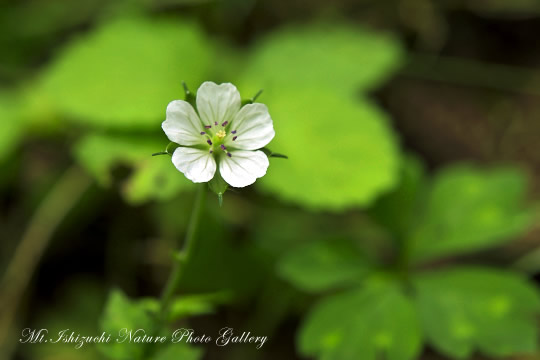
[183,255]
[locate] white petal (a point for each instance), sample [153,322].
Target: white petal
[253,126]
[217,103]
[198,165]
[183,125]
[243,167]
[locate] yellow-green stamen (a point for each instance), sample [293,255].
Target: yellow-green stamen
[221,134]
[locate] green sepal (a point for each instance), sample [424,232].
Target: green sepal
[190,98]
[169,150]
[218,186]
[171,147]
[252,100]
[270,153]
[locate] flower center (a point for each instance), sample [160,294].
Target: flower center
[215,142]
[221,134]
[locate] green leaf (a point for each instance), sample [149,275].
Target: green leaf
[323,265]
[470,309]
[192,305]
[327,57]
[470,209]
[123,313]
[124,74]
[342,152]
[180,351]
[367,324]
[154,177]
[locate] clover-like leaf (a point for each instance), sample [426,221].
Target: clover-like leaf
[123,74]
[468,309]
[323,265]
[153,177]
[470,209]
[366,324]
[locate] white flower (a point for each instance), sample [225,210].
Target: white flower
[222,134]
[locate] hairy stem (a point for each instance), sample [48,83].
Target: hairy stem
[183,255]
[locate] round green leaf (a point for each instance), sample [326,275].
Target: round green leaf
[342,152]
[123,74]
[328,57]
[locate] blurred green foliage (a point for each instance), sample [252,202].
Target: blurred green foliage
[468,309]
[324,264]
[152,178]
[333,58]
[11,129]
[469,210]
[123,313]
[341,151]
[350,236]
[380,319]
[459,310]
[123,75]
[193,305]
